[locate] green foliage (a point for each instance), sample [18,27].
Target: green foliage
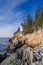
[39,19]
[30,24]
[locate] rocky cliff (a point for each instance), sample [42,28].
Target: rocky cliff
[25,49]
[33,39]
[25,55]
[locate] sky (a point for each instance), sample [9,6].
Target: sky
[13,12]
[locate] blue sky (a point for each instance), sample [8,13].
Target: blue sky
[13,12]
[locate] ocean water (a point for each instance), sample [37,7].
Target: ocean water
[3,44]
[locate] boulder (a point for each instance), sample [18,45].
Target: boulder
[25,55]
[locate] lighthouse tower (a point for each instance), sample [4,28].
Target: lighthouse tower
[21,28]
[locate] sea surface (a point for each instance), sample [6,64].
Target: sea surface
[3,44]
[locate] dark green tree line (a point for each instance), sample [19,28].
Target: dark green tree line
[30,24]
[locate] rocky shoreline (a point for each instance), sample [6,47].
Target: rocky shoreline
[2,57]
[24,55]
[22,51]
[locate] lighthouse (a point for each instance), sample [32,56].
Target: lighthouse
[21,28]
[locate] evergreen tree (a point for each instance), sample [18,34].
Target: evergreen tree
[29,25]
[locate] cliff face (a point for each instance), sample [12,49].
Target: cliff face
[26,49]
[36,38]
[33,39]
[25,55]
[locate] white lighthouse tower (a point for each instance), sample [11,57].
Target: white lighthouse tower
[21,28]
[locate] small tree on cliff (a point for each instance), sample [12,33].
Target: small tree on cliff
[28,25]
[39,19]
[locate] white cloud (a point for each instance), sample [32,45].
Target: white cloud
[9,21]
[7,31]
[10,4]
[10,18]
[9,24]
